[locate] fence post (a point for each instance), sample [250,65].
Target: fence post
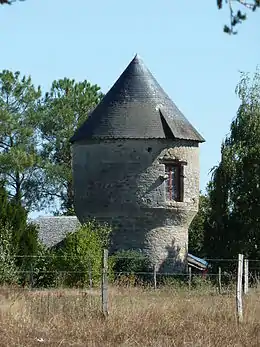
[189,278]
[219,280]
[239,303]
[104,286]
[246,276]
[154,276]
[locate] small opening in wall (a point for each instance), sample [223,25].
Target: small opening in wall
[174,184]
[149,149]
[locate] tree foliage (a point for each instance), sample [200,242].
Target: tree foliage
[63,110]
[20,160]
[35,153]
[228,221]
[236,16]
[235,186]
[130,262]
[18,238]
[8,2]
[198,227]
[80,255]
[8,267]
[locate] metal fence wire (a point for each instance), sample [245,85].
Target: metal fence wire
[56,279]
[74,271]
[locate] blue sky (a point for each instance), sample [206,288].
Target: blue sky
[181,42]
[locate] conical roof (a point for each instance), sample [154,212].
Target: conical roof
[136,107]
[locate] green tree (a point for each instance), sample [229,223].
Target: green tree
[198,226]
[235,187]
[236,16]
[18,236]
[63,110]
[8,267]
[20,160]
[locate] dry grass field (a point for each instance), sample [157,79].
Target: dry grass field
[137,317]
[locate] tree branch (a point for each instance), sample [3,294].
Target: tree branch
[4,145]
[8,2]
[246,4]
[48,193]
[239,17]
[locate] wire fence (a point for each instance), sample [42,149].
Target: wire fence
[74,271]
[78,276]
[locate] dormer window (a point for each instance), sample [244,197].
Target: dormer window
[174,187]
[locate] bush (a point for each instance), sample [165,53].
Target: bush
[44,268]
[80,255]
[176,281]
[23,236]
[8,268]
[131,267]
[200,282]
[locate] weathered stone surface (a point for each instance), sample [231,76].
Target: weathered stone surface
[120,182]
[52,230]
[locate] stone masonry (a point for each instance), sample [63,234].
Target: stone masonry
[123,186]
[121,179]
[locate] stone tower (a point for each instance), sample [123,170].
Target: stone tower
[136,166]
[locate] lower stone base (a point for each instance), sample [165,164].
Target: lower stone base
[167,248]
[161,236]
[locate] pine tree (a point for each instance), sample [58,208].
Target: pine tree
[24,236]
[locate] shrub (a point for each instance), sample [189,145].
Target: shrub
[44,268]
[80,254]
[19,240]
[200,282]
[24,236]
[8,268]
[176,281]
[131,267]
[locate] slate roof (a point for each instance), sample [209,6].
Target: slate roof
[53,230]
[136,107]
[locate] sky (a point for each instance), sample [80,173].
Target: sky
[181,42]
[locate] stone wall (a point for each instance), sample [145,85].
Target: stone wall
[119,182]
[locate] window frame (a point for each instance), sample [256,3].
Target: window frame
[175,167]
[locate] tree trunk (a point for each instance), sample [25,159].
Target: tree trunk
[68,205]
[18,193]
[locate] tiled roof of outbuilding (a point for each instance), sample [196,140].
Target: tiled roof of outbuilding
[53,230]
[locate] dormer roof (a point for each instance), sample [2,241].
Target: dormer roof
[136,107]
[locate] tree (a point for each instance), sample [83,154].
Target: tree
[19,237]
[235,193]
[8,2]
[237,17]
[8,268]
[63,110]
[198,226]
[20,160]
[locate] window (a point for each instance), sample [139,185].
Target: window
[174,181]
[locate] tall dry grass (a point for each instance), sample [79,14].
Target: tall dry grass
[165,317]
